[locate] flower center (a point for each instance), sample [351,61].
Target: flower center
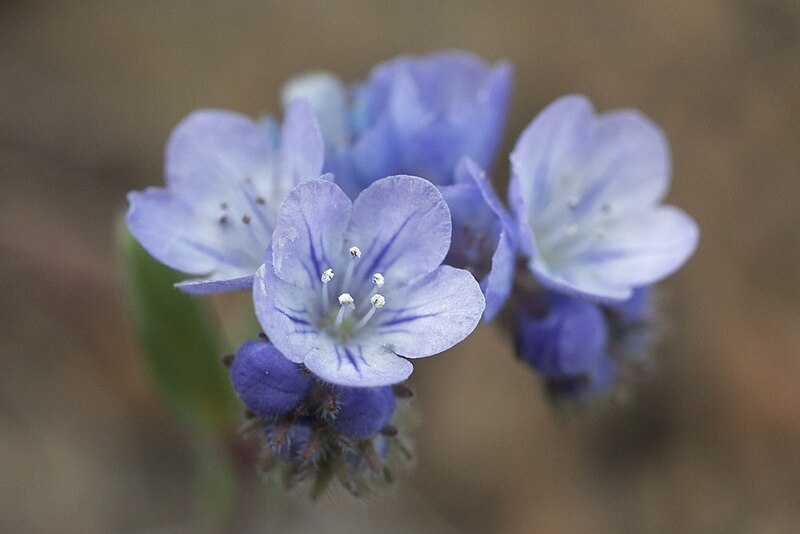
[345,321]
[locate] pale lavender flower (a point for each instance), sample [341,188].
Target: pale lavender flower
[587,191]
[226,176]
[352,288]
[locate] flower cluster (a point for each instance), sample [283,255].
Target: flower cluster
[369,234]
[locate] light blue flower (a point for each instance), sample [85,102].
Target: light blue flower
[226,176]
[587,192]
[352,286]
[413,115]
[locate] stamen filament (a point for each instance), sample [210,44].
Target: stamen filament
[377,301]
[355,253]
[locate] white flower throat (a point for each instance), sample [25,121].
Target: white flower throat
[344,321]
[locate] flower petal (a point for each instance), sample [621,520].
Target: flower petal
[328,97]
[309,233]
[360,366]
[211,151]
[497,284]
[432,313]
[286,314]
[210,286]
[302,150]
[628,164]
[171,230]
[402,225]
[639,249]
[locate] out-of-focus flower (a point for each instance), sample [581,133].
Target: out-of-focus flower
[586,190]
[413,115]
[566,339]
[483,240]
[226,176]
[352,286]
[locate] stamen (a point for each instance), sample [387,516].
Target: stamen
[260,200]
[378,301]
[246,219]
[355,253]
[346,302]
[378,280]
[327,276]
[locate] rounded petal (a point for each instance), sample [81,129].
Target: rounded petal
[266,381]
[640,249]
[628,162]
[210,149]
[170,229]
[402,225]
[432,313]
[550,148]
[364,411]
[360,365]
[309,232]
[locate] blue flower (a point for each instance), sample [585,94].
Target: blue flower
[587,191]
[352,286]
[226,176]
[413,115]
[483,240]
[566,339]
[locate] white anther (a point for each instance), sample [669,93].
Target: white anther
[378,300]
[378,279]
[346,300]
[327,276]
[355,252]
[572,229]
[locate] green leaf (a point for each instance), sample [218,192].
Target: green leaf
[179,342]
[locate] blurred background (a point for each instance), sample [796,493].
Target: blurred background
[89,92]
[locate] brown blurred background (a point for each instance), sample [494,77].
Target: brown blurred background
[88,94]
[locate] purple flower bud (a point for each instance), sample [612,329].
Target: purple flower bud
[266,381]
[364,411]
